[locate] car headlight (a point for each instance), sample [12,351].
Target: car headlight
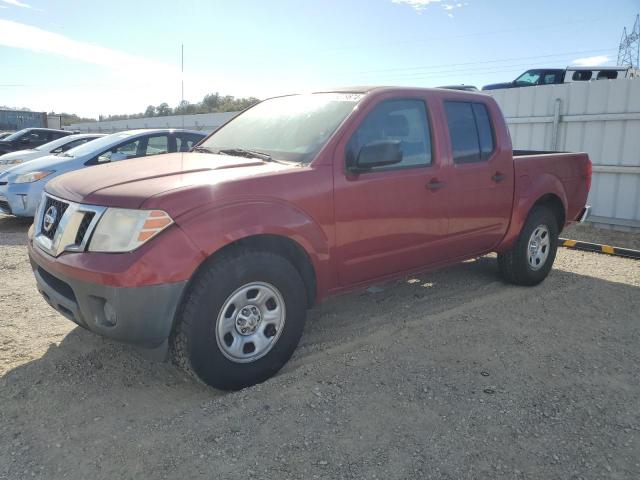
[32,176]
[124,230]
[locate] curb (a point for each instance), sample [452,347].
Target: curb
[598,248]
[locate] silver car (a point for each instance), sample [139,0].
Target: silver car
[55,147]
[21,186]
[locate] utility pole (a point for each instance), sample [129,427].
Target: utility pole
[629,49]
[182,81]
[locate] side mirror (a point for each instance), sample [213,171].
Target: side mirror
[377,154]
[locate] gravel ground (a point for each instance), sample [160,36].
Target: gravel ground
[451,374]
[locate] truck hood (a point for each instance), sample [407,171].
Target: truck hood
[129,183]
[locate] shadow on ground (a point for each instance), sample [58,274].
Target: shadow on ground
[451,374]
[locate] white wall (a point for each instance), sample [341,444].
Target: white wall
[601,118]
[206,122]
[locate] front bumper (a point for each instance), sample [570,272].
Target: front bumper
[142,316]
[20,199]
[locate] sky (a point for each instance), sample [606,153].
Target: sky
[91,58]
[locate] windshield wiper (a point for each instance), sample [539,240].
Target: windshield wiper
[202,149]
[241,152]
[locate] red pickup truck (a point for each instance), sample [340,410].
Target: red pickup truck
[214,256]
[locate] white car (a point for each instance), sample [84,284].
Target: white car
[55,147]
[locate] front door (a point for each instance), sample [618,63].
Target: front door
[388,219]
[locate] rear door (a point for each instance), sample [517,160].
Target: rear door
[481,178]
[388,219]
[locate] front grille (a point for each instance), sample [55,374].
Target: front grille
[65,226]
[84,226]
[60,208]
[4,205]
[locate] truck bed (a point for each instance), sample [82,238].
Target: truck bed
[571,170]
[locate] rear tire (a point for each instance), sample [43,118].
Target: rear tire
[531,258]
[241,320]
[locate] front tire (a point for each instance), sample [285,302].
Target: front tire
[241,320]
[530,259]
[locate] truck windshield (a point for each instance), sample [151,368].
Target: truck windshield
[292,128]
[530,77]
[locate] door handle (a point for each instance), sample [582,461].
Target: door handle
[434,185]
[498,177]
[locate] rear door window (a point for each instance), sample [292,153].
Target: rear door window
[122,152]
[157,145]
[39,136]
[582,75]
[470,131]
[607,75]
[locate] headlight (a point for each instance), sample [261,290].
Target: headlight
[32,176]
[123,229]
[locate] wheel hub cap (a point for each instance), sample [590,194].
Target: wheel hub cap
[248,320]
[538,247]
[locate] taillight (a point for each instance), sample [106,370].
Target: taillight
[589,173]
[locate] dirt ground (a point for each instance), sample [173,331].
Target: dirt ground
[451,374]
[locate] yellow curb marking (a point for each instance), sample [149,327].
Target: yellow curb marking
[608,249]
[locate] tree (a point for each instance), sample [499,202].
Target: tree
[163,109]
[211,102]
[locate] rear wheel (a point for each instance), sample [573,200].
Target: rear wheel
[530,259]
[241,320]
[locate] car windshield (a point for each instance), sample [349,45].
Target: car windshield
[529,78]
[16,135]
[292,128]
[95,145]
[47,147]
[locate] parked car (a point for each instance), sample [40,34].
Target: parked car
[215,256]
[30,138]
[4,134]
[550,76]
[21,186]
[55,147]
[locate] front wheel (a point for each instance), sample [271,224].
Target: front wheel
[530,259]
[241,320]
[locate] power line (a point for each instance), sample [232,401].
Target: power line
[579,52]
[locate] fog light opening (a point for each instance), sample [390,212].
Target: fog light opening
[110,315]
